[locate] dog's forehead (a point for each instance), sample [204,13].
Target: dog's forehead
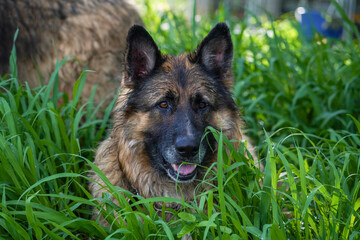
[188,76]
[180,79]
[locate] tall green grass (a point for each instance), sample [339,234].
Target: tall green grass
[42,151]
[301,101]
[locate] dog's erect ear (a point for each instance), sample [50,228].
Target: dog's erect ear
[215,52]
[143,55]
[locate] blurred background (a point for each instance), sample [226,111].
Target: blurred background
[277,7]
[319,14]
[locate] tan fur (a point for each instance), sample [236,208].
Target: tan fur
[92,33]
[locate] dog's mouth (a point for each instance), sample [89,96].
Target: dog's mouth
[182,172]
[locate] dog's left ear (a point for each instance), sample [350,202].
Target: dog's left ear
[215,52]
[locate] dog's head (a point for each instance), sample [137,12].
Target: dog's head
[174,99]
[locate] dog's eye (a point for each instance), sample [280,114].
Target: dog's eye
[202,105]
[164,104]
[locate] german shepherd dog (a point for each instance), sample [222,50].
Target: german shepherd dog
[161,115]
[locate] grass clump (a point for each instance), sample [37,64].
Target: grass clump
[300,100]
[42,151]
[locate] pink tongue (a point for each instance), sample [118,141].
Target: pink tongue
[185,169]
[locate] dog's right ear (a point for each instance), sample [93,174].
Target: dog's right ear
[142,55]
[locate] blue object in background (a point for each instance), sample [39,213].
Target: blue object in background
[312,21]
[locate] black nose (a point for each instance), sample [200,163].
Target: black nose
[186,146]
